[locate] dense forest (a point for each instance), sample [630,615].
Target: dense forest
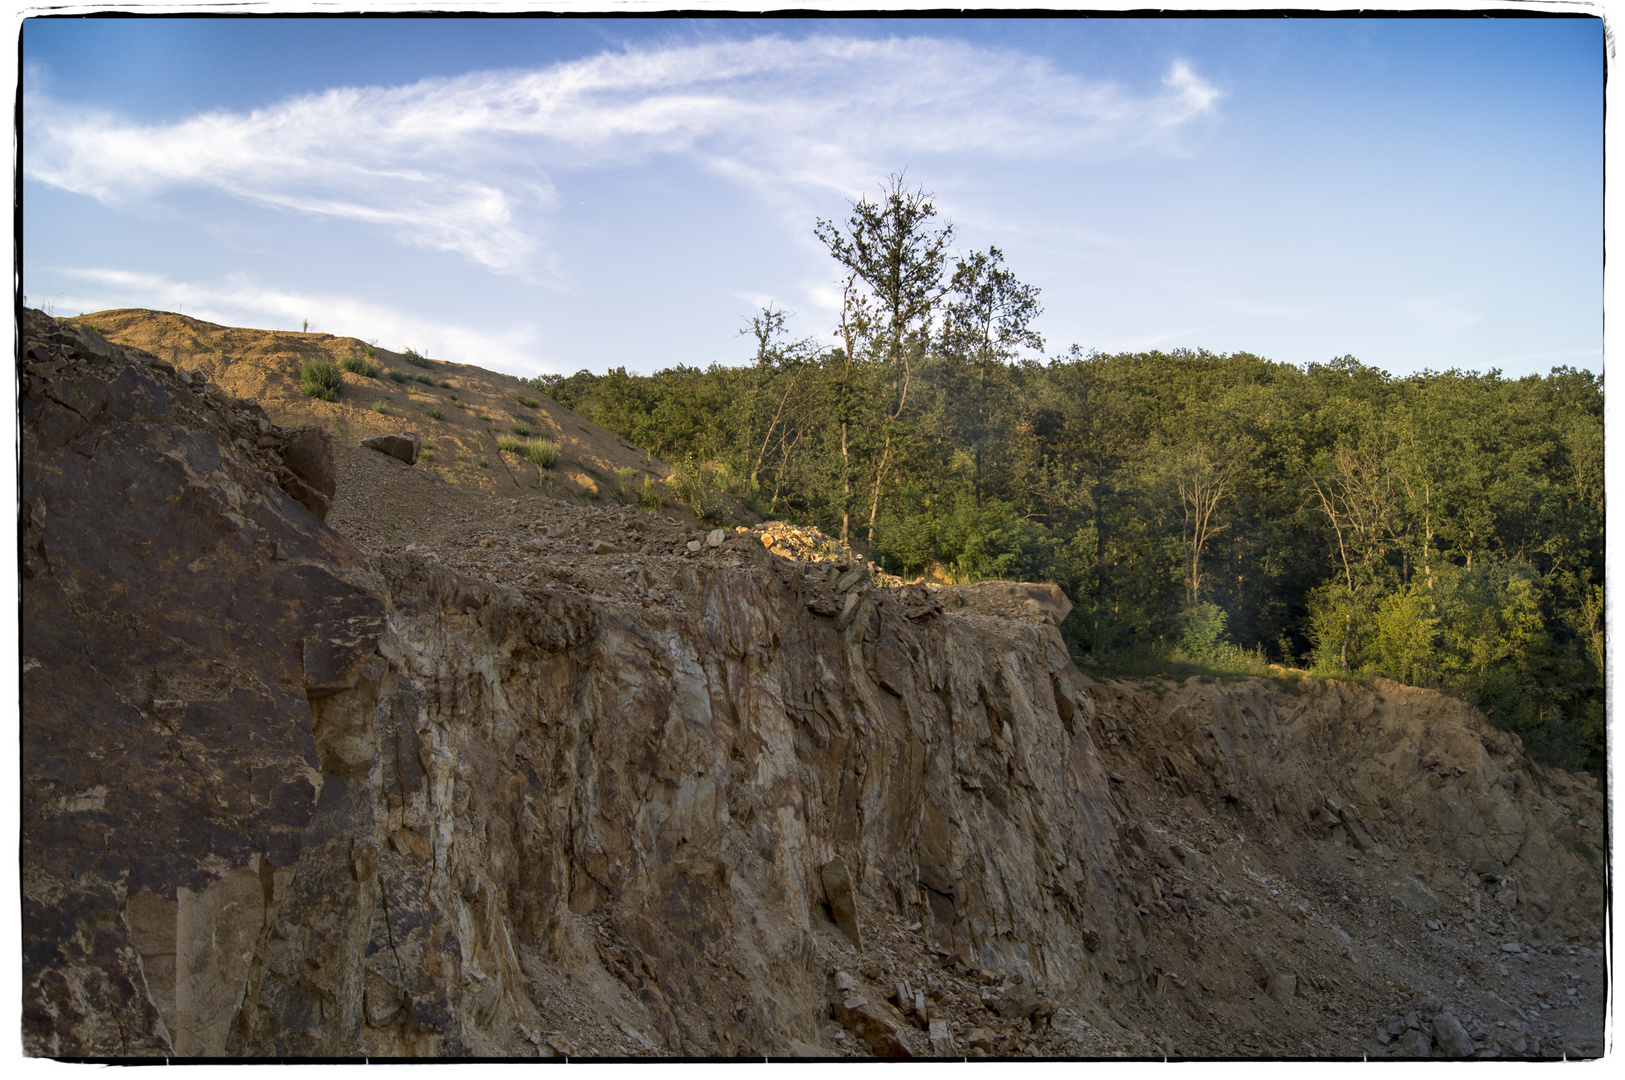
[1444,529]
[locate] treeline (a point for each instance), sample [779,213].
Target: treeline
[1443,529]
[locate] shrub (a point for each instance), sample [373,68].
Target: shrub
[1203,637]
[320,379]
[628,481]
[485,416]
[378,407]
[459,404]
[412,356]
[438,413]
[528,402]
[648,494]
[398,376]
[484,464]
[444,385]
[521,429]
[360,365]
[543,452]
[418,376]
[427,454]
[510,445]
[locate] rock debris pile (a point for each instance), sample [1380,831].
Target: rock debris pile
[458,774]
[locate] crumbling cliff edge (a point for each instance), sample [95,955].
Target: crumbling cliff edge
[286,796]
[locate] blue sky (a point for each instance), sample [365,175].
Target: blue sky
[550,194]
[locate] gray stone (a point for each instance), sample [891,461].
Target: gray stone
[1452,1037]
[942,1040]
[404,446]
[1016,1003]
[715,537]
[1415,1044]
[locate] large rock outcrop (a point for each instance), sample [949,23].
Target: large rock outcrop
[282,798]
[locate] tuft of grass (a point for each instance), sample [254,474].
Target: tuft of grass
[485,416]
[378,407]
[521,429]
[528,402]
[510,445]
[398,376]
[413,357]
[459,404]
[360,365]
[444,385]
[427,454]
[648,495]
[418,376]
[585,428]
[627,478]
[484,464]
[542,452]
[438,413]
[320,379]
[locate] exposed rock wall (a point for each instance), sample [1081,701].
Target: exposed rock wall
[284,799]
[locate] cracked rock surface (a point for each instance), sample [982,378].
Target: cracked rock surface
[455,774]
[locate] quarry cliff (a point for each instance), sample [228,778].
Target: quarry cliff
[323,756]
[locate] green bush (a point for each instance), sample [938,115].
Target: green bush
[509,444]
[1202,639]
[412,356]
[438,413]
[427,455]
[378,407]
[398,376]
[444,385]
[320,379]
[418,376]
[360,365]
[484,464]
[528,402]
[521,429]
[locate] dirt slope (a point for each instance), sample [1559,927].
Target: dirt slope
[477,406]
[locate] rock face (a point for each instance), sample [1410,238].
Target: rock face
[282,798]
[180,615]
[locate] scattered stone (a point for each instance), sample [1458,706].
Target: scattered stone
[604,547]
[1415,1044]
[715,537]
[1282,987]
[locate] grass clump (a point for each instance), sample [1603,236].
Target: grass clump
[485,416]
[648,494]
[398,376]
[360,365]
[528,402]
[321,379]
[521,429]
[378,407]
[445,385]
[510,445]
[484,464]
[418,376]
[417,359]
[438,413]
[427,454]
[627,478]
[542,452]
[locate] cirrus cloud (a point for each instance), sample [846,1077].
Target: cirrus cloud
[467,164]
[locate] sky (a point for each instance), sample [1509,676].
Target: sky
[550,194]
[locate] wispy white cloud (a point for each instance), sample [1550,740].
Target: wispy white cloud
[468,164]
[1442,313]
[240,301]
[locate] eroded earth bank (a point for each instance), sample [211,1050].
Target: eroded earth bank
[322,756]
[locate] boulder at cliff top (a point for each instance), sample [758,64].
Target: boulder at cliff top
[403,446]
